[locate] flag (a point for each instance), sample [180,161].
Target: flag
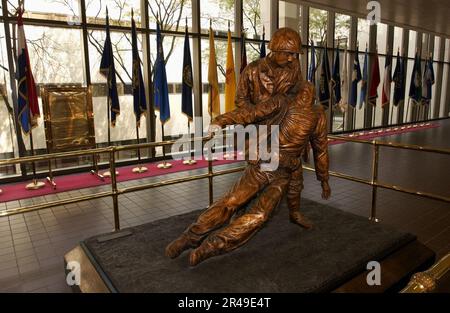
[213,94]
[139,99]
[28,107]
[262,50]
[336,79]
[230,78]
[374,81]
[356,78]
[324,83]
[188,81]
[243,53]
[342,105]
[428,81]
[365,78]
[415,88]
[108,70]
[160,80]
[312,65]
[386,94]
[399,80]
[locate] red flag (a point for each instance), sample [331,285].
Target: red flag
[27,95]
[375,81]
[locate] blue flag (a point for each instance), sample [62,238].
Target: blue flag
[356,78]
[139,99]
[160,81]
[324,84]
[399,80]
[312,65]
[108,70]
[336,79]
[415,88]
[262,51]
[428,81]
[365,78]
[188,81]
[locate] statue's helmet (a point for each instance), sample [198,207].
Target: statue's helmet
[286,40]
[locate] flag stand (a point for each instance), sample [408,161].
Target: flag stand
[164,165]
[139,169]
[35,184]
[189,161]
[108,173]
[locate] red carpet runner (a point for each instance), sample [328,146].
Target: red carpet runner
[17,191]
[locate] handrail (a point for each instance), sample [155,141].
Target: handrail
[428,281]
[115,191]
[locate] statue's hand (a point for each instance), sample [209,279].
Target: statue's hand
[326,190]
[213,130]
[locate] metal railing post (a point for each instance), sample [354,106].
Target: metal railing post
[115,193]
[210,180]
[376,152]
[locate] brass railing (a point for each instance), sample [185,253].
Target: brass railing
[115,191]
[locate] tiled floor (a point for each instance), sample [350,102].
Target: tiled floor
[32,245]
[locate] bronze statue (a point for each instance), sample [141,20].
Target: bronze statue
[271,91]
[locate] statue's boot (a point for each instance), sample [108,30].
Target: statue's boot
[298,218]
[176,247]
[203,252]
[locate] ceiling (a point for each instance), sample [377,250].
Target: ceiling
[423,15]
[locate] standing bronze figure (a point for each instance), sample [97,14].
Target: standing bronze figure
[271,91]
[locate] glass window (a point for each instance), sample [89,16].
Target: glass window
[56,57]
[174,14]
[363,34]
[8,145]
[436,48]
[433,92]
[119,12]
[221,57]
[125,125]
[398,37]
[220,12]
[173,52]
[341,40]
[378,111]
[382,30]
[253,23]
[289,15]
[318,26]
[363,40]
[342,30]
[412,43]
[67,10]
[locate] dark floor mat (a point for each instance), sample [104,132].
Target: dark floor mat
[281,257]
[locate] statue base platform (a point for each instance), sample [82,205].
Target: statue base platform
[281,257]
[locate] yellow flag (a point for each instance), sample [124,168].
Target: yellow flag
[230,82]
[213,94]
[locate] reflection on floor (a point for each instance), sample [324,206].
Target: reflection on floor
[32,245]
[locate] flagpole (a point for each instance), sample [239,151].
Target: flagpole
[164,164]
[108,97]
[35,184]
[139,169]
[189,161]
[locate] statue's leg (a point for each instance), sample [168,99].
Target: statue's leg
[239,231]
[219,212]
[295,188]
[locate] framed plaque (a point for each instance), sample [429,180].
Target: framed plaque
[68,118]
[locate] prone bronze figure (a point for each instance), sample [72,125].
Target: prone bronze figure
[271,91]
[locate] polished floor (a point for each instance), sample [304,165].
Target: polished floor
[32,245]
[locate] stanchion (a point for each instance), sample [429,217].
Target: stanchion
[139,169]
[35,184]
[190,160]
